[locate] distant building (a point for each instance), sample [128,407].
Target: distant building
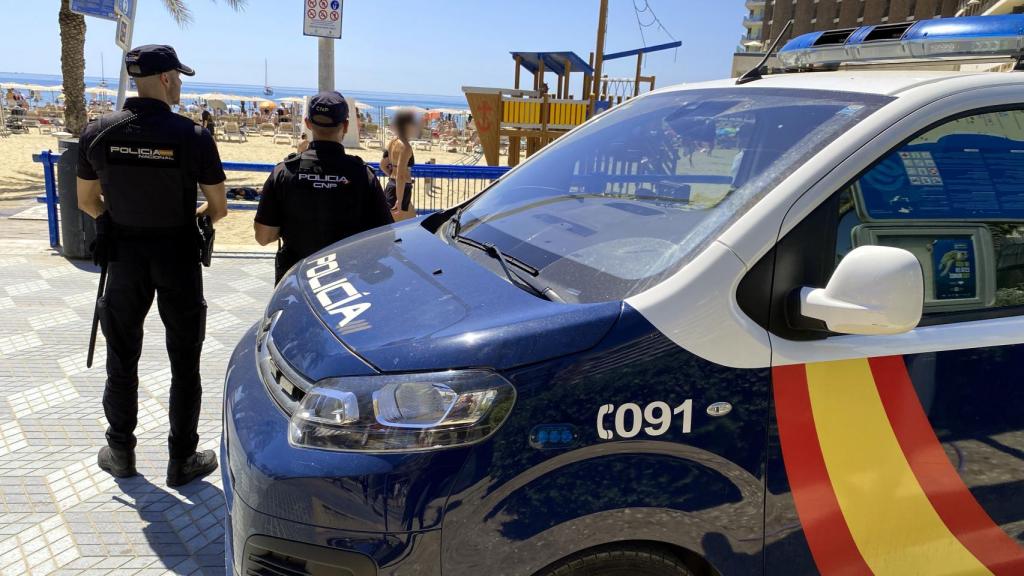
[765,19]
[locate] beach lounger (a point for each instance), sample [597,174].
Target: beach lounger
[284,132]
[232,132]
[267,129]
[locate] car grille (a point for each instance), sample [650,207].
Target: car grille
[266,556]
[271,564]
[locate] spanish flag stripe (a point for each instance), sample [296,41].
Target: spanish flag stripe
[894,525]
[944,488]
[825,529]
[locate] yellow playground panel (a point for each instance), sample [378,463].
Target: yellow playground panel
[521,121]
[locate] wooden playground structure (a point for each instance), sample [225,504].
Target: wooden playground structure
[526,120]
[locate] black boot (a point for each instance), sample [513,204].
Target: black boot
[119,463]
[184,470]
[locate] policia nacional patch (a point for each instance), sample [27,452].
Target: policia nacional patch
[139,154]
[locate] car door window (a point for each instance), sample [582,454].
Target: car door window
[954,197]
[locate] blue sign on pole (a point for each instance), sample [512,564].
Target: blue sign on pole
[97,8]
[123,8]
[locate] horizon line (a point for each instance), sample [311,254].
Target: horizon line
[255,86]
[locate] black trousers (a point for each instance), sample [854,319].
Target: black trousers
[178,285]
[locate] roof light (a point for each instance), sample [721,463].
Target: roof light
[939,39]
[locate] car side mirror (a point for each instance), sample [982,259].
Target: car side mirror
[874,290]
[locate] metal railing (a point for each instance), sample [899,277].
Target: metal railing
[435,186]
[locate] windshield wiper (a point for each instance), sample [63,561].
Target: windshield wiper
[514,278]
[504,259]
[455,224]
[486,247]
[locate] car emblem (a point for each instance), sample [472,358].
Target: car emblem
[719,409]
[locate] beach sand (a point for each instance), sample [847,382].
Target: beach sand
[21,178]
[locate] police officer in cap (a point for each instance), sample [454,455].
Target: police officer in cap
[138,170]
[322,195]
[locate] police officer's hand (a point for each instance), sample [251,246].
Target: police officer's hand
[101,246]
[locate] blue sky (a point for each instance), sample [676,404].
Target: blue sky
[410,46]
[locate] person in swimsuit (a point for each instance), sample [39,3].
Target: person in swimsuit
[397,163]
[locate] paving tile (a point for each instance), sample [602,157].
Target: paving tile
[59,513]
[41,398]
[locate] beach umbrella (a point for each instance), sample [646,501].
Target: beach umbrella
[362,106]
[191,95]
[20,86]
[267,105]
[221,96]
[99,91]
[413,109]
[293,100]
[233,108]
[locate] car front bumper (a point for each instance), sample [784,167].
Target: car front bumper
[313,511]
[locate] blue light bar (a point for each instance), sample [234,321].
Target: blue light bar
[940,39]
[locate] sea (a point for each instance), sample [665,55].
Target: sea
[378,100]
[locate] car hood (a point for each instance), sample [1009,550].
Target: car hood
[403,299]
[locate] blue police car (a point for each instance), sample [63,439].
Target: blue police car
[774,327]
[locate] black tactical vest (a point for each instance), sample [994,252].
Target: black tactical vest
[321,193]
[147,169]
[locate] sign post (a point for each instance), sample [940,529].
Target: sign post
[120,11]
[125,10]
[95,8]
[322,18]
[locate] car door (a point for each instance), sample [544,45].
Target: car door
[904,453]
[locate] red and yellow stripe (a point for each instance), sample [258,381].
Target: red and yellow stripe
[873,487]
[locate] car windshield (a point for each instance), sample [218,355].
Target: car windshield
[625,201]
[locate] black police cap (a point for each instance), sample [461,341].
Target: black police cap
[328,109]
[154,59]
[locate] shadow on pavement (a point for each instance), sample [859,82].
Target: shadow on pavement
[183,527]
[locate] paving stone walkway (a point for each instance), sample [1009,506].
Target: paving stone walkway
[58,512]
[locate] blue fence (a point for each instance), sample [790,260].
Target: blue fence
[436,186]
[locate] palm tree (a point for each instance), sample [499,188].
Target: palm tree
[72,56]
[72,66]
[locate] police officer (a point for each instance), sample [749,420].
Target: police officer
[146,161]
[322,195]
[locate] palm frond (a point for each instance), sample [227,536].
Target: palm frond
[179,11]
[183,16]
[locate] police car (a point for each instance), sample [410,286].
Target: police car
[774,327]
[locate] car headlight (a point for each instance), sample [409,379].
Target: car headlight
[406,412]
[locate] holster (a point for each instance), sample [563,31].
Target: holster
[206,236]
[102,247]
[282,262]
